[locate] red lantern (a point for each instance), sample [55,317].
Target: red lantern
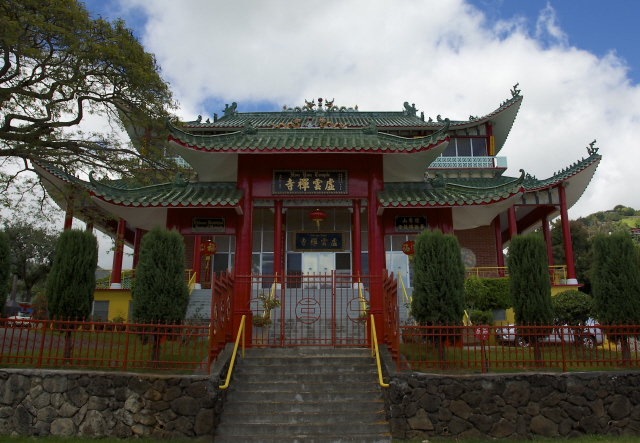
[208,247]
[317,216]
[407,248]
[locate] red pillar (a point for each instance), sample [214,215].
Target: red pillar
[566,237]
[244,241]
[547,239]
[513,224]
[116,273]
[68,217]
[277,239]
[376,248]
[136,247]
[357,240]
[498,234]
[196,260]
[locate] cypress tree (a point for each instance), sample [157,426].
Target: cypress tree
[160,293]
[529,283]
[438,282]
[5,271]
[615,284]
[72,280]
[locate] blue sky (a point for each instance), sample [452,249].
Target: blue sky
[575,61]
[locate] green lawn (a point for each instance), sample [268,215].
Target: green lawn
[588,439]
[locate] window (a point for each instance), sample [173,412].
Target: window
[466,147]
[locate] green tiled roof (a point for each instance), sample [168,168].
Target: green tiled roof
[350,118]
[178,193]
[304,140]
[447,193]
[531,183]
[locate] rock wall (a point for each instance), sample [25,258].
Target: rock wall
[514,405]
[100,404]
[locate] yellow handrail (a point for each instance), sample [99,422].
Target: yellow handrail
[235,350]
[376,352]
[363,301]
[192,282]
[405,296]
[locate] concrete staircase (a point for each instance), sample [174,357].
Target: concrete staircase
[310,395]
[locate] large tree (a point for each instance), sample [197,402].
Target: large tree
[5,271]
[32,251]
[160,292]
[438,281]
[616,283]
[530,287]
[58,64]
[72,279]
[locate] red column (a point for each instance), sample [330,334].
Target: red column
[547,239]
[196,260]
[498,234]
[566,237]
[244,240]
[277,239]
[513,224]
[136,247]
[117,256]
[446,221]
[357,240]
[68,217]
[376,248]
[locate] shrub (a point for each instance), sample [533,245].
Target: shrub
[497,295]
[572,307]
[482,318]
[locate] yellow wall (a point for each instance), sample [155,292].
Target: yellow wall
[118,301]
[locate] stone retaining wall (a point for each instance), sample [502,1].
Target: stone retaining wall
[100,404]
[422,405]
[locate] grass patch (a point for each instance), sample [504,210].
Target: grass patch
[585,439]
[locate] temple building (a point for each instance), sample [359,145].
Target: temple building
[323,188]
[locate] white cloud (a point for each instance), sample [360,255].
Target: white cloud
[442,56]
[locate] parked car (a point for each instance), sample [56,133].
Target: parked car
[18,319]
[591,335]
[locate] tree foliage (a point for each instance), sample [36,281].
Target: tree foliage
[59,64]
[160,293]
[438,292]
[32,251]
[5,271]
[581,240]
[497,295]
[616,279]
[72,281]
[530,287]
[572,307]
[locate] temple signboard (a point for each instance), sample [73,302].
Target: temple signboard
[310,182]
[412,223]
[318,241]
[208,225]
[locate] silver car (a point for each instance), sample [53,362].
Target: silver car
[590,334]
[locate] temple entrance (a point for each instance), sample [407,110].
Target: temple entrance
[314,310]
[318,262]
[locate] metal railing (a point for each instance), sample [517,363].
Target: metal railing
[563,348]
[239,339]
[104,345]
[375,352]
[557,274]
[127,275]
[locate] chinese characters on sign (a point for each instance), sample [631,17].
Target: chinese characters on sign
[411,223]
[318,241]
[309,182]
[208,225]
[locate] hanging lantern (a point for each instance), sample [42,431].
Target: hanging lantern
[317,216]
[407,248]
[208,247]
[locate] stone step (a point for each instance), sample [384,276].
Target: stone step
[307,361]
[254,407]
[240,378]
[303,387]
[299,430]
[272,417]
[295,396]
[362,438]
[308,352]
[291,368]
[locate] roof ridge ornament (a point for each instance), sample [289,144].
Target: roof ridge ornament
[249,129]
[410,110]
[515,92]
[327,106]
[230,111]
[371,129]
[591,149]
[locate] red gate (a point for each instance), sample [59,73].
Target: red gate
[309,310]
